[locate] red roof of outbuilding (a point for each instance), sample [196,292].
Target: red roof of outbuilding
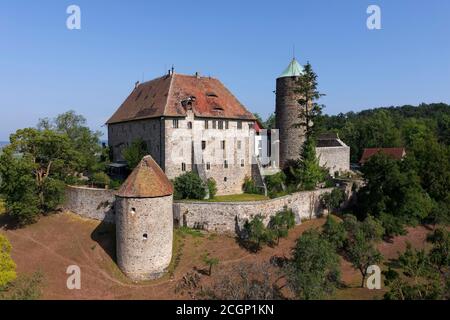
[173,95]
[396,153]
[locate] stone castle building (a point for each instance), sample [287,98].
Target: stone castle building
[188,123]
[333,153]
[194,123]
[144,222]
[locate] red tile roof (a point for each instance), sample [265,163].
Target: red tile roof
[146,181]
[173,95]
[396,153]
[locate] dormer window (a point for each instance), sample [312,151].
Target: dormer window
[211,94]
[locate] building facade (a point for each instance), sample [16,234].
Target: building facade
[188,123]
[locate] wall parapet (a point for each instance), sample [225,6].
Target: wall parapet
[91,203]
[229,217]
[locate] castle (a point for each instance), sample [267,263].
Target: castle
[194,123]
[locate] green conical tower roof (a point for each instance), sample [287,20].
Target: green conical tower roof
[294,69]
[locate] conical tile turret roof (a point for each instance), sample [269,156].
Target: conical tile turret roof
[146,181]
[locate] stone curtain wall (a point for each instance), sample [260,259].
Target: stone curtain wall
[91,203]
[336,159]
[230,216]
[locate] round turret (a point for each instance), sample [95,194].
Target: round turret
[144,222]
[287,114]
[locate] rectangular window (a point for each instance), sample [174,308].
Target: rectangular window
[183,166]
[175,123]
[208,166]
[214,124]
[220,124]
[227,124]
[189,125]
[242,162]
[203,145]
[250,125]
[222,144]
[239,144]
[225,164]
[206,124]
[239,124]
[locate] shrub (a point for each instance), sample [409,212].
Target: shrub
[257,234]
[334,232]
[249,186]
[333,200]
[212,187]
[189,186]
[275,183]
[100,179]
[115,184]
[7,265]
[281,222]
[209,261]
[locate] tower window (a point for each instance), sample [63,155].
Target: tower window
[242,162]
[220,124]
[227,124]
[203,144]
[145,236]
[133,211]
[175,123]
[225,179]
[208,166]
[183,166]
[222,144]
[239,124]
[189,125]
[206,124]
[214,122]
[225,164]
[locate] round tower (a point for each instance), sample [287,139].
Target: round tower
[287,112]
[144,222]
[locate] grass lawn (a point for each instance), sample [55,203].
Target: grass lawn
[237,197]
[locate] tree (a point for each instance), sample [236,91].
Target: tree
[334,232]
[314,272]
[309,108]
[440,253]
[86,143]
[34,167]
[244,282]
[7,265]
[333,200]
[209,261]
[419,280]
[212,187]
[189,186]
[308,173]
[256,233]
[134,153]
[360,247]
[281,222]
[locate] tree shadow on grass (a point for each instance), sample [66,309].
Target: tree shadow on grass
[105,235]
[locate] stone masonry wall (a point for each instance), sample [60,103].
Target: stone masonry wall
[335,159]
[224,217]
[91,203]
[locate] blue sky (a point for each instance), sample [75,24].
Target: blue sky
[46,69]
